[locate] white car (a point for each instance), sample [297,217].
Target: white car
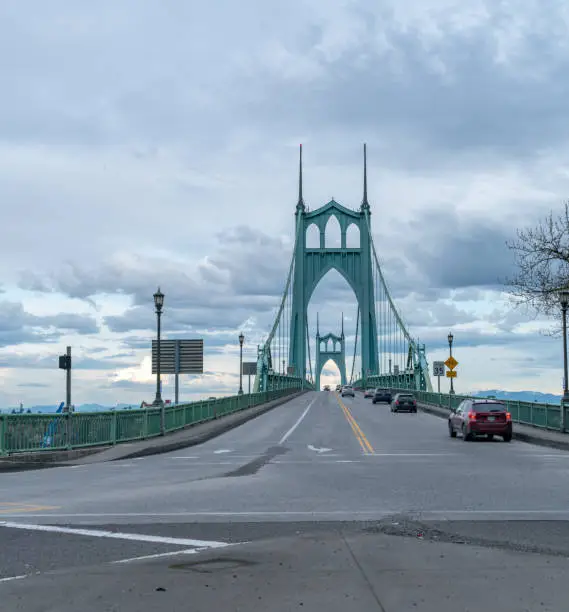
[347,390]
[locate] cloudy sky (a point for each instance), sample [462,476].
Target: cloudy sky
[155,143]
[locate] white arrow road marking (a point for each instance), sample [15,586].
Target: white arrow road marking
[318,450]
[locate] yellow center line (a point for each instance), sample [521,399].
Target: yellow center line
[363,436]
[354,429]
[360,436]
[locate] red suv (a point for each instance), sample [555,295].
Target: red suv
[481,417]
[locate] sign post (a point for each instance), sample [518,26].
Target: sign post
[178,357]
[451,364]
[249,369]
[438,371]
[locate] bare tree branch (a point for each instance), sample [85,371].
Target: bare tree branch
[542,257]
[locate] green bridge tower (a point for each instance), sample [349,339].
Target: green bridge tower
[354,264]
[336,353]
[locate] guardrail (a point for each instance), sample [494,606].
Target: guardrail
[546,416]
[20,433]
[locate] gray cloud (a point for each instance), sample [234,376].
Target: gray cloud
[52,362]
[18,326]
[450,93]
[34,385]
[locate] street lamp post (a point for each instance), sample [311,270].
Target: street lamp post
[450,339]
[159,303]
[241,340]
[564,300]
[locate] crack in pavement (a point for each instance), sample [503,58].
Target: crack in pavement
[403,526]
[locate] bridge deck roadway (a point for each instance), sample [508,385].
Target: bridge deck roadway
[331,505]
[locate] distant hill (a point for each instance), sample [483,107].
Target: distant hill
[51,408]
[522,396]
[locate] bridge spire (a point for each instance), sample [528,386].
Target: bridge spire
[365,203]
[300,205]
[342,335]
[317,326]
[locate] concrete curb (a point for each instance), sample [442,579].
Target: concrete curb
[39,459]
[523,436]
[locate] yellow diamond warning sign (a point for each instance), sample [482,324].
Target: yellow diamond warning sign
[451,363]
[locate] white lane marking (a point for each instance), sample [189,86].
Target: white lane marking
[347,461]
[535,455]
[137,537]
[412,455]
[173,553]
[291,430]
[318,450]
[13,578]
[198,463]
[221,451]
[232,457]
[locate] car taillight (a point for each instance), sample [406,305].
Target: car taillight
[397,402]
[508,416]
[472,416]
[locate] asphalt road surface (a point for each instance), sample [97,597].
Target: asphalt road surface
[317,482]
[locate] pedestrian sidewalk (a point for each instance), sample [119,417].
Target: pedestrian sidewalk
[525,433]
[192,435]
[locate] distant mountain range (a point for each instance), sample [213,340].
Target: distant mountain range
[51,408]
[522,396]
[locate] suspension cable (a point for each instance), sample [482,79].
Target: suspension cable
[355,345]
[309,356]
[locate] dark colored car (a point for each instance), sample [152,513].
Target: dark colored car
[484,417]
[404,401]
[382,395]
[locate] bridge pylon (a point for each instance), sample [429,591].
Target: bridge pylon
[336,352]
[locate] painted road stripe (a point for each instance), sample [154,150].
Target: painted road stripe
[137,537]
[364,442]
[360,436]
[291,430]
[173,553]
[13,578]
[355,431]
[15,507]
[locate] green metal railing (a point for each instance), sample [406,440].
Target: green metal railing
[20,433]
[546,416]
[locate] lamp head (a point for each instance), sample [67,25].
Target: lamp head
[564,298]
[159,299]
